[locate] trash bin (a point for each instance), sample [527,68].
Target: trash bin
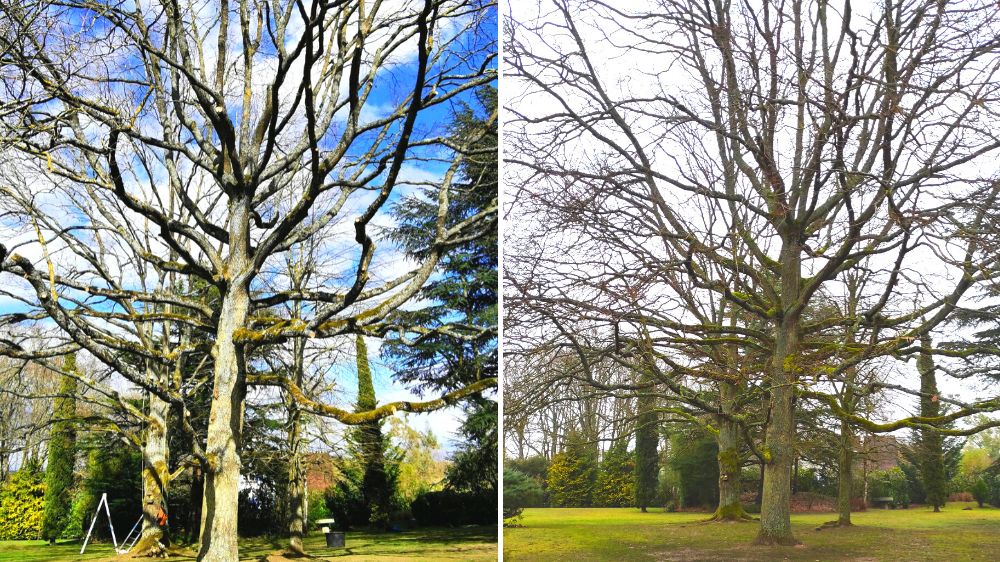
[334,539]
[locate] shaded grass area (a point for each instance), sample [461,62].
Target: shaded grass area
[916,534]
[466,543]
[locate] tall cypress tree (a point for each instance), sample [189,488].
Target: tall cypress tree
[646,458]
[931,445]
[62,457]
[371,445]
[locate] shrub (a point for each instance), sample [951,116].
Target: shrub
[22,504]
[453,508]
[616,480]
[520,491]
[694,457]
[536,467]
[980,490]
[573,474]
[316,505]
[890,483]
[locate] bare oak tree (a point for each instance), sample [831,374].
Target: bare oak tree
[764,150]
[208,140]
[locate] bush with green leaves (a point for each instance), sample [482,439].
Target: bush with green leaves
[616,480]
[980,490]
[22,504]
[890,483]
[520,491]
[572,474]
[453,508]
[694,457]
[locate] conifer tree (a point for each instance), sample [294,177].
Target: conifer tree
[646,459]
[572,474]
[371,445]
[465,295]
[931,444]
[62,456]
[616,477]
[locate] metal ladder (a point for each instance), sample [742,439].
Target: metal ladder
[138,533]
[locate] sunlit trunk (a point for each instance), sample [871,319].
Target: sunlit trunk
[155,479]
[219,541]
[296,479]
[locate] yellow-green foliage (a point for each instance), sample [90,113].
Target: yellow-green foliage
[22,505]
[573,473]
[616,478]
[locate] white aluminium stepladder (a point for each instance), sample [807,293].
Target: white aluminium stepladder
[107,510]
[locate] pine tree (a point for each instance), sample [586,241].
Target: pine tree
[616,477]
[647,467]
[464,296]
[572,474]
[376,484]
[62,457]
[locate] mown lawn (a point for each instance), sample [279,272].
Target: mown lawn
[467,543]
[915,534]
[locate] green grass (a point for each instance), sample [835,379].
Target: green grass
[467,543]
[917,534]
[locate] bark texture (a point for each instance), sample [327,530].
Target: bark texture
[730,508]
[779,443]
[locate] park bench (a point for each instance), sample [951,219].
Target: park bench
[885,502]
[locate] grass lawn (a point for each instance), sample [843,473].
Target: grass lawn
[468,543]
[915,534]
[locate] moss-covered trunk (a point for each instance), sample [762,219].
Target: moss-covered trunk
[155,478]
[730,508]
[845,485]
[296,478]
[779,440]
[219,540]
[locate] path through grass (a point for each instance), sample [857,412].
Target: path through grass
[469,543]
[916,534]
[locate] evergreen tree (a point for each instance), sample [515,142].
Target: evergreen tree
[464,297]
[694,456]
[931,444]
[371,444]
[647,467]
[616,477]
[62,457]
[573,473]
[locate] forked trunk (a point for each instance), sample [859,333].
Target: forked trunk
[225,424]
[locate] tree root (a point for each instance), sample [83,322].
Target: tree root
[834,525]
[765,539]
[733,512]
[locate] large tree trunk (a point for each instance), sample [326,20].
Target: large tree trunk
[155,480]
[197,491]
[225,425]
[296,479]
[297,499]
[730,508]
[779,441]
[845,486]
